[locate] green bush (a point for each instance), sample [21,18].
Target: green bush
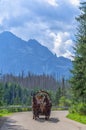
[4,112]
[78,108]
[73,109]
[82,109]
[64,102]
[19,109]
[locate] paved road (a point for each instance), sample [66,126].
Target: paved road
[57,121]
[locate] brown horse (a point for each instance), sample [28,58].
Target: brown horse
[41,105]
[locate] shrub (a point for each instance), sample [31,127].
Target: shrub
[78,108]
[64,102]
[82,109]
[73,109]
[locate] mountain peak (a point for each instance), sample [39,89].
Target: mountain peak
[34,42]
[29,56]
[10,36]
[7,33]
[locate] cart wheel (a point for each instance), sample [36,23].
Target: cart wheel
[34,117]
[47,118]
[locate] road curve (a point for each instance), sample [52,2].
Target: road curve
[57,121]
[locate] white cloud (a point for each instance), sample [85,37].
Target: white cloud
[31,30]
[52,2]
[75,2]
[51,22]
[69,55]
[62,44]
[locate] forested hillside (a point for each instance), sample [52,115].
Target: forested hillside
[17,90]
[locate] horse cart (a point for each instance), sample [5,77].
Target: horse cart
[41,105]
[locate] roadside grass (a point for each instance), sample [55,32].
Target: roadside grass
[77,117]
[11,110]
[4,112]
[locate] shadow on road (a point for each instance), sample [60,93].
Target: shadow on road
[10,125]
[51,120]
[2,120]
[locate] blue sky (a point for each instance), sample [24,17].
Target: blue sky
[51,22]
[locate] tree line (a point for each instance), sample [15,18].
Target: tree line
[13,94]
[16,90]
[32,81]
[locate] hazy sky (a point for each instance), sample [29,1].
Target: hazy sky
[51,22]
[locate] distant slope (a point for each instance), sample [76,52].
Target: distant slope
[17,55]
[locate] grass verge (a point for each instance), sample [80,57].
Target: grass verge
[77,117]
[5,112]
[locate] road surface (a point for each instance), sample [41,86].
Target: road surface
[57,121]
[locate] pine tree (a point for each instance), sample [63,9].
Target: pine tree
[78,79]
[58,95]
[1,94]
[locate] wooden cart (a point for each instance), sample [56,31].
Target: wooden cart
[41,105]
